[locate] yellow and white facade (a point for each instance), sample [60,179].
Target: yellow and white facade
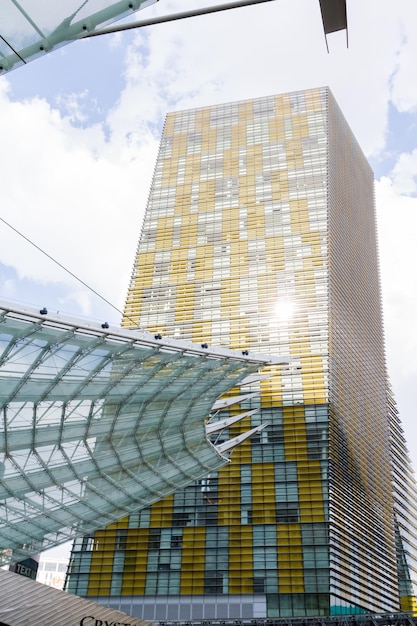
[260,235]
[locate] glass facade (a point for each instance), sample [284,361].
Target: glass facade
[32,28]
[260,235]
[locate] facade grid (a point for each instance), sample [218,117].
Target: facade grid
[260,235]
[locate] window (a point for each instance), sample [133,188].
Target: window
[213,583]
[154,538]
[287,514]
[176,541]
[181,519]
[121,540]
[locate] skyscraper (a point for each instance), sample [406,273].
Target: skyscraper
[260,235]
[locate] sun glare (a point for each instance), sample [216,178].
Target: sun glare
[284,310]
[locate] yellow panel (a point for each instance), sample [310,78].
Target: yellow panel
[245,111]
[263,498]
[409,605]
[229,492]
[313,100]
[283,105]
[169,124]
[230,215]
[243,453]
[193,561]
[161,513]
[280,186]
[300,125]
[276,128]
[290,567]
[134,573]
[121,523]
[102,562]
[309,479]
[240,560]
[211,137]
[295,441]
[269,387]
[202,118]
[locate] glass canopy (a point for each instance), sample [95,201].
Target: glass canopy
[98,422]
[30,28]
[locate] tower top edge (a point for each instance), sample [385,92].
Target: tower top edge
[287,94]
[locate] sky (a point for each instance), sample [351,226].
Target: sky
[80,131]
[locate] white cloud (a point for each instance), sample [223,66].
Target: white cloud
[76,106]
[397,221]
[404,93]
[74,193]
[404,173]
[397,224]
[9,288]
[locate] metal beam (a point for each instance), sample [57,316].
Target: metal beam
[174,16]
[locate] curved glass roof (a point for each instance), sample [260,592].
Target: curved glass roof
[98,422]
[31,28]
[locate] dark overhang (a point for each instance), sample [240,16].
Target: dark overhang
[333,14]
